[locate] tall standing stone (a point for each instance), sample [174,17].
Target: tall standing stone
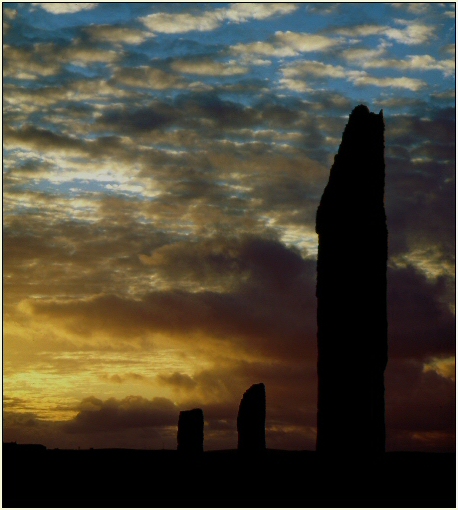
[251,419]
[190,437]
[351,292]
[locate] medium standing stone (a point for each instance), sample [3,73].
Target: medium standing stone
[351,292]
[190,435]
[251,420]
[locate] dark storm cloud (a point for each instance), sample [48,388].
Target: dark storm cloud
[187,111]
[420,408]
[264,261]
[438,127]
[39,139]
[155,116]
[424,216]
[281,114]
[275,306]
[223,113]
[131,412]
[59,141]
[271,301]
[418,325]
[207,111]
[420,181]
[148,425]
[26,420]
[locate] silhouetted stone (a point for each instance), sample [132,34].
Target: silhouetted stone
[251,420]
[351,292]
[190,437]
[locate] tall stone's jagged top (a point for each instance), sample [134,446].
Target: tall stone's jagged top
[190,436]
[251,419]
[351,292]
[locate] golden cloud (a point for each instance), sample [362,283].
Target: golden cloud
[445,367]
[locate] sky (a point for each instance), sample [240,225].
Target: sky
[163,163]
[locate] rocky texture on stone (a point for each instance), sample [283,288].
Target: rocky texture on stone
[351,292]
[190,437]
[251,419]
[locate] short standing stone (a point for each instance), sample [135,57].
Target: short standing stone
[251,420]
[190,437]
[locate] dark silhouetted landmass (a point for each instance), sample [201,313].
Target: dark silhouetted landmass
[272,478]
[351,292]
[190,436]
[251,419]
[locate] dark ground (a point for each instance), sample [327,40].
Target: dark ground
[275,478]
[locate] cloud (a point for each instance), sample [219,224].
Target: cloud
[42,140]
[148,78]
[314,68]
[414,33]
[323,9]
[129,377]
[242,12]
[445,367]
[412,62]
[210,20]
[202,111]
[364,55]
[29,64]
[264,313]
[420,8]
[207,67]
[360,30]
[419,326]
[9,14]
[177,380]
[46,59]
[65,8]
[27,428]
[302,42]
[84,54]
[450,48]
[117,35]
[286,44]
[361,78]
[418,404]
[263,48]
[96,415]
[295,85]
